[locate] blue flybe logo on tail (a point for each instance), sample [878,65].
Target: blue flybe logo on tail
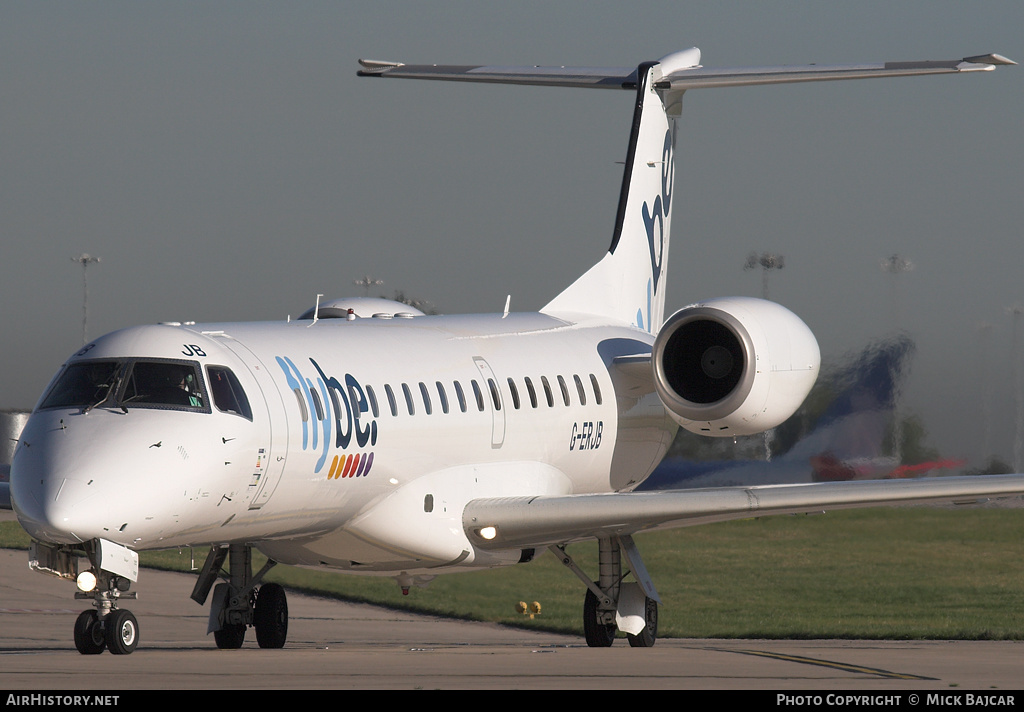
[337,415]
[655,215]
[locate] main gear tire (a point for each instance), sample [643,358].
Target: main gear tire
[271,616]
[597,634]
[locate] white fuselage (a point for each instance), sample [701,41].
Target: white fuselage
[365,438]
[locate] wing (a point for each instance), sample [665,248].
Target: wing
[524,522]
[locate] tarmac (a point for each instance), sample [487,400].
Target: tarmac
[338,645]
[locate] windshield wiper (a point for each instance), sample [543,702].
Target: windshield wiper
[112,387]
[87,408]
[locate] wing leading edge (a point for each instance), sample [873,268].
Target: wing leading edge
[525,522]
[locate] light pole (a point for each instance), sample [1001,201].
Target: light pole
[984,344]
[767,261]
[895,264]
[1018,397]
[85,259]
[366,282]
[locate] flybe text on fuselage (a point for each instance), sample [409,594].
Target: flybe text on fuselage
[346,406]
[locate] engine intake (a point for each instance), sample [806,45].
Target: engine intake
[734,366]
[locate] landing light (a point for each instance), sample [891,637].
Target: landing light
[488,533]
[86,581]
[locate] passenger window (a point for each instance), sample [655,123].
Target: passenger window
[408,399]
[547,391]
[579,389]
[597,389]
[333,394]
[317,405]
[443,396]
[227,392]
[373,401]
[514,392]
[565,390]
[391,399]
[479,396]
[426,398]
[302,404]
[531,391]
[461,396]
[495,396]
[356,399]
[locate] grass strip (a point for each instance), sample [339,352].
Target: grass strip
[904,573]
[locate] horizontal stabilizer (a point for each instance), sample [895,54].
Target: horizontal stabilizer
[695,77]
[597,77]
[708,78]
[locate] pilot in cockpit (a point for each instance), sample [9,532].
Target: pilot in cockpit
[187,384]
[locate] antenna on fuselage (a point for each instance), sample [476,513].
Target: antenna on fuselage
[316,310]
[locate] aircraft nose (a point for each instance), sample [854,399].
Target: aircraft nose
[59,514]
[51,505]
[55,495]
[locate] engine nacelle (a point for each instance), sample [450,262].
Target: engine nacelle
[734,366]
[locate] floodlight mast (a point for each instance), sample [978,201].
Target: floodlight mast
[896,264]
[85,259]
[1015,312]
[767,261]
[366,282]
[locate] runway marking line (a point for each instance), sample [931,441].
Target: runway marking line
[829,664]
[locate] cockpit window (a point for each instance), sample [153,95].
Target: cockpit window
[227,392]
[131,383]
[159,383]
[83,384]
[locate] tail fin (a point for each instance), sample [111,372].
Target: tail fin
[628,284]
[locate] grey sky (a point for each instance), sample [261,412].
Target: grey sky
[225,163]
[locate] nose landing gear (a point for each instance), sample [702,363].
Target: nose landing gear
[107,627]
[112,568]
[89,637]
[121,632]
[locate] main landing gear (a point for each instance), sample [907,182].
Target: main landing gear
[610,604]
[241,601]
